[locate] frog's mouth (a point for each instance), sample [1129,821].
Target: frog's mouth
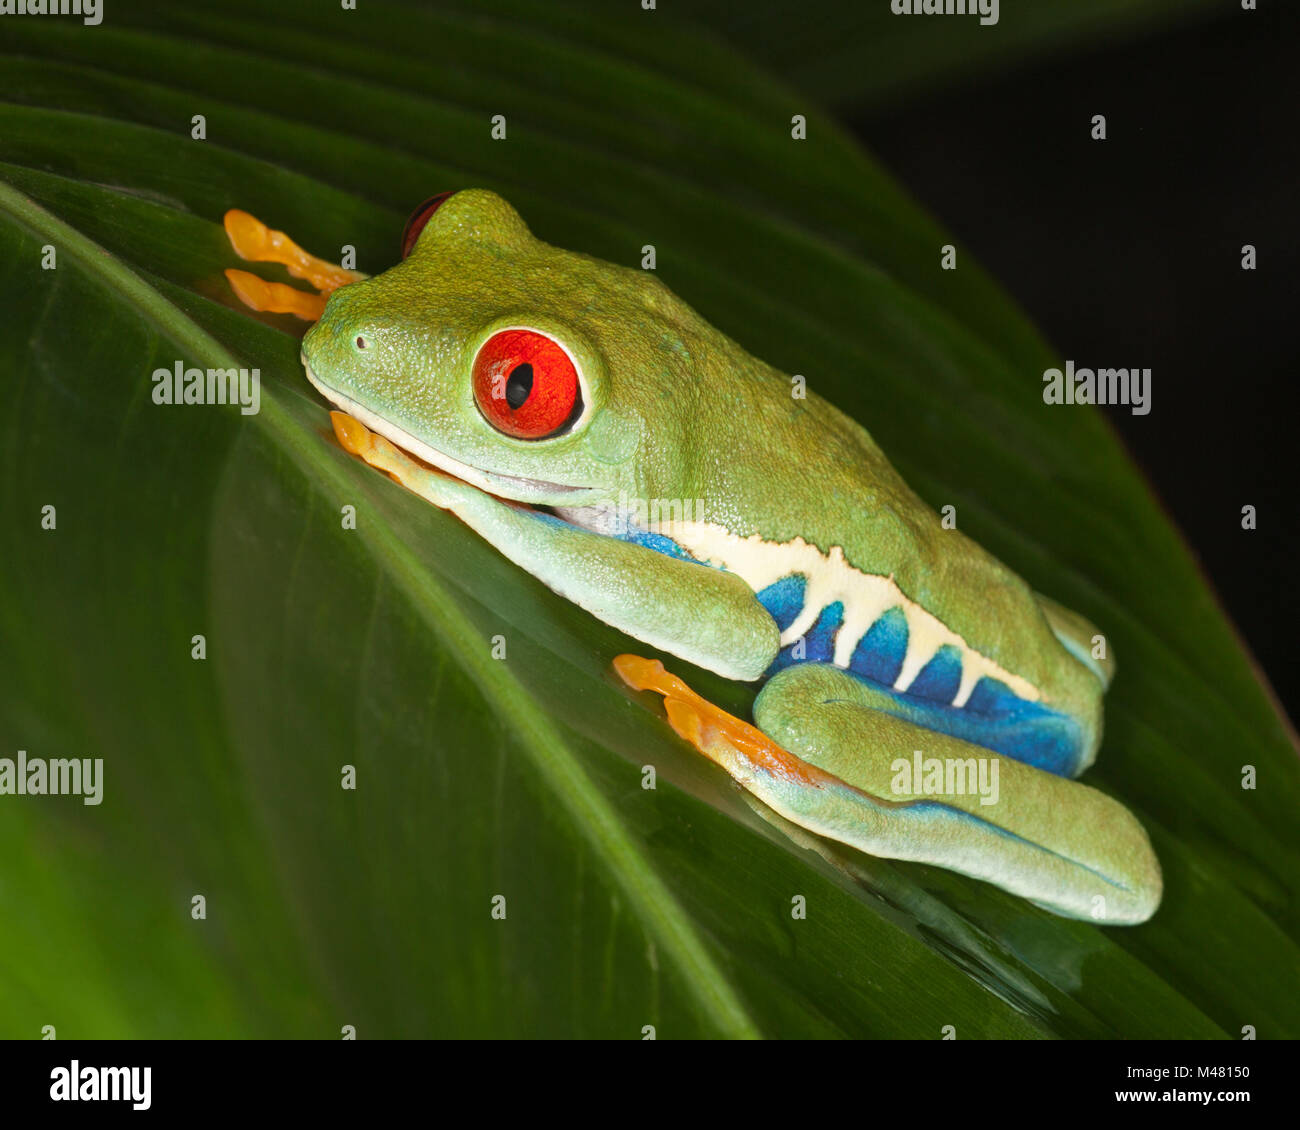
[536,492]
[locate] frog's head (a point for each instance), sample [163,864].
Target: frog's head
[533,373]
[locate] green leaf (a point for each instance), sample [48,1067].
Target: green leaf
[853,55]
[476,777]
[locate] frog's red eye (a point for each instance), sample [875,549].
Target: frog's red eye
[526,384]
[421,216]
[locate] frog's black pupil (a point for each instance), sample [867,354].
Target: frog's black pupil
[519,384]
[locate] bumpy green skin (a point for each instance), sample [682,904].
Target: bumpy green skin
[675,409]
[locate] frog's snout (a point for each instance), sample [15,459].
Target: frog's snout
[315,351]
[307,350]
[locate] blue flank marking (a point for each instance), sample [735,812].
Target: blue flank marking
[879,656]
[940,678]
[818,641]
[994,717]
[784,599]
[660,543]
[997,719]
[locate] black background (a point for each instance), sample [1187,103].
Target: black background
[1127,252]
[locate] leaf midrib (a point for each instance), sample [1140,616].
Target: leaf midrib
[661,914]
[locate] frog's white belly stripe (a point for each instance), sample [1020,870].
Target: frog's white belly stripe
[866,597]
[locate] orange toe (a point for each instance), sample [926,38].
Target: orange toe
[275,298]
[730,741]
[353,435]
[253,240]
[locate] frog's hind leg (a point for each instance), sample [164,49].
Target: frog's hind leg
[742,750]
[253,240]
[829,756]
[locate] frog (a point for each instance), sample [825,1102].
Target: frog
[916,699]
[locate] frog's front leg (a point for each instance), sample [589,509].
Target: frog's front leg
[704,615]
[829,755]
[253,240]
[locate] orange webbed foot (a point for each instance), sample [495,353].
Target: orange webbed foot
[742,749]
[254,241]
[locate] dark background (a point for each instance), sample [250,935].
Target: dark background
[1127,252]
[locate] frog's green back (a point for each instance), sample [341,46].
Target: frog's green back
[783,482]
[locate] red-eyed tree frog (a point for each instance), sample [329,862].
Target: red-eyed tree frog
[919,700]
